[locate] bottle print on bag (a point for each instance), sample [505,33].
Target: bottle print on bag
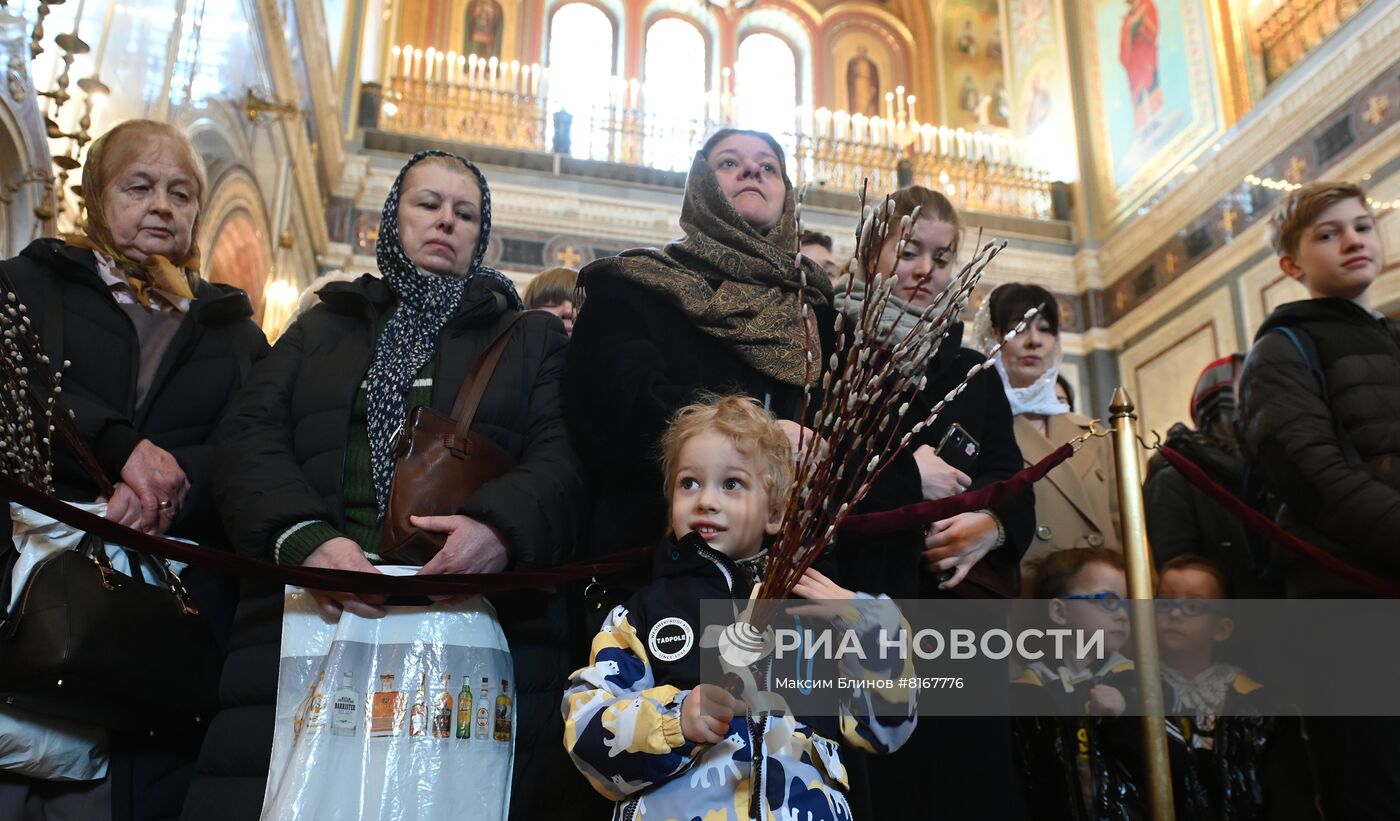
[503,709]
[418,715]
[464,710]
[386,709]
[442,709]
[345,707]
[483,712]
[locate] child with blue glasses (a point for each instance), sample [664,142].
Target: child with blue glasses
[1080,759]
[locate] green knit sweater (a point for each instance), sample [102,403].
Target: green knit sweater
[362,523]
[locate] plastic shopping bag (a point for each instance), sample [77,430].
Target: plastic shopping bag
[410,716]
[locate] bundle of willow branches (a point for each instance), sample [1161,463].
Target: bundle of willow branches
[32,412]
[867,387]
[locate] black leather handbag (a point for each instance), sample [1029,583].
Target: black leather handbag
[88,643]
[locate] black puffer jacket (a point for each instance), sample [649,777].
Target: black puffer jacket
[213,351]
[281,460]
[1182,519]
[205,365]
[1291,434]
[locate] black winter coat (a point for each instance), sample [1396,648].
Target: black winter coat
[946,754]
[634,360]
[1290,426]
[77,319]
[211,354]
[985,414]
[281,461]
[1182,519]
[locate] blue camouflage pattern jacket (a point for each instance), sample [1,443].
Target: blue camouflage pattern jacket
[622,712]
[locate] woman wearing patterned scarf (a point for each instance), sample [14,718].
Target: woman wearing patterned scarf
[717,310]
[304,455]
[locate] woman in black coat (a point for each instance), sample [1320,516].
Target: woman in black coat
[952,767]
[304,463]
[156,354]
[716,311]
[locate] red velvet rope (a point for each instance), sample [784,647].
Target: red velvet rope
[346,581]
[911,517]
[1265,526]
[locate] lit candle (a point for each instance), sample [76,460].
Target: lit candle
[472,62]
[858,124]
[727,82]
[514,76]
[877,131]
[394,63]
[928,135]
[451,66]
[407,62]
[823,122]
[461,68]
[417,63]
[943,141]
[842,120]
[526,80]
[492,66]
[438,73]
[912,118]
[889,105]
[899,99]
[633,89]
[960,139]
[428,56]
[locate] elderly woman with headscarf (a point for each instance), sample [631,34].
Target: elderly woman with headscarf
[305,462]
[716,311]
[156,354]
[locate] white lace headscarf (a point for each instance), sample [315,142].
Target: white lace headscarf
[1037,398]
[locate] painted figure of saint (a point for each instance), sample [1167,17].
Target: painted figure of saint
[1137,51]
[1001,105]
[1039,108]
[863,84]
[485,20]
[967,41]
[967,95]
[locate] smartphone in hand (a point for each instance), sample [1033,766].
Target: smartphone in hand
[959,449]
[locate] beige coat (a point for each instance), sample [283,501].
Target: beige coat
[1076,504]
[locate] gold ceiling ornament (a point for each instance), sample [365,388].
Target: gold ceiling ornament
[259,109]
[69,158]
[35,47]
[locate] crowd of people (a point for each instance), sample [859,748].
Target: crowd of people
[664,410]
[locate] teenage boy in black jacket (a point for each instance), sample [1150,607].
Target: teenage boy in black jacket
[1320,412]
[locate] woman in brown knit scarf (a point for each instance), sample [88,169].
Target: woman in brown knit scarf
[718,310]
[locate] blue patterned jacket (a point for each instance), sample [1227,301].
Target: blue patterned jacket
[622,712]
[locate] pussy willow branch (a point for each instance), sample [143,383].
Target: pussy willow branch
[32,411]
[867,388]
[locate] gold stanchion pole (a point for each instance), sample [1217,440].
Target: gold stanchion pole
[1138,557]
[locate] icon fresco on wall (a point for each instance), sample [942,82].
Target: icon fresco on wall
[1156,96]
[485,23]
[975,75]
[863,84]
[862,70]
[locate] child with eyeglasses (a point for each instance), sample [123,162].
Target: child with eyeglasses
[1219,727]
[1076,752]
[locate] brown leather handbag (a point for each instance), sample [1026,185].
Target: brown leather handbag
[439,463]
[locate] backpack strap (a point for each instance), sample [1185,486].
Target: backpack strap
[1307,349]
